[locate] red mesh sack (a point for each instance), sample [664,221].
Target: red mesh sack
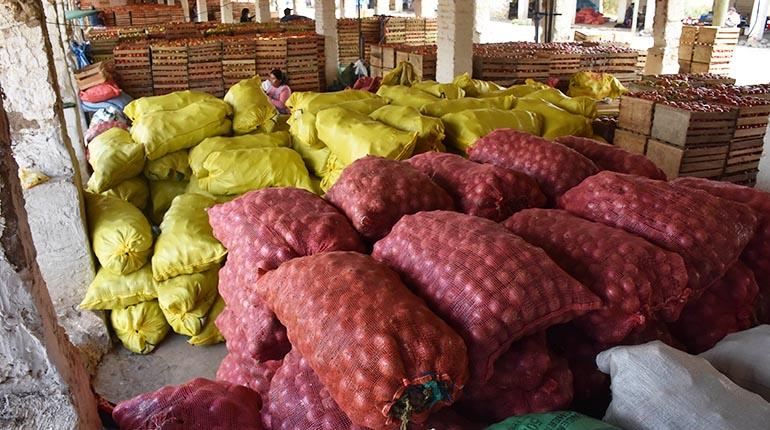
[376,192]
[635,279]
[100,127]
[377,348]
[367,83]
[481,190]
[488,284]
[756,255]
[269,226]
[298,400]
[708,232]
[555,167]
[527,379]
[197,405]
[249,373]
[608,157]
[725,307]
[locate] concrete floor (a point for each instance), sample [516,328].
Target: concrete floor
[123,374]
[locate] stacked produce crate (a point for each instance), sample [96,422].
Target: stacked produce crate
[431,31]
[385,58]
[238,59]
[634,124]
[347,34]
[394,29]
[707,49]
[92,75]
[414,31]
[133,68]
[103,41]
[271,53]
[748,141]
[143,14]
[302,63]
[182,30]
[169,67]
[509,66]
[204,68]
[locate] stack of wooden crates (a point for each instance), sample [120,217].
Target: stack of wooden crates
[385,58]
[707,49]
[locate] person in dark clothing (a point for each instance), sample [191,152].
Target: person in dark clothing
[288,16]
[245,15]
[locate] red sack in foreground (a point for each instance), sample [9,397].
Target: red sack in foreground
[725,307]
[100,127]
[368,83]
[608,157]
[298,400]
[527,379]
[756,255]
[197,405]
[100,93]
[636,279]
[708,232]
[481,190]
[555,167]
[270,226]
[376,192]
[249,327]
[488,284]
[381,353]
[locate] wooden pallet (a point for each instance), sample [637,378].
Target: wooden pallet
[630,141]
[701,162]
[684,128]
[636,114]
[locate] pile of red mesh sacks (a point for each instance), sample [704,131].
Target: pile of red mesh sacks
[588,15]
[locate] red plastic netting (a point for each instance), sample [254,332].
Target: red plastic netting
[198,404]
[708,232]
[756,255]
[608,157]
[376,347]
[725,307]
[488,284]
[376,192]
[555,167]
[636,279]
[481,190]
[249,373]
[527,379]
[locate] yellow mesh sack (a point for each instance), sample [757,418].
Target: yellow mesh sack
[209,334]
[406,96]
[167,102]
[464,128]
[251,106]
[430,131]
[443,107]
[170,167]
[140,327]
[185,300]
[199,153]
[162,193]
[115,157]
[134,191]
[111,291]
[556,121]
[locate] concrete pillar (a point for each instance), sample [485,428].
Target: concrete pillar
[349,9]
[635,16]
[523,10]
[41,144]
[720,12]
[382,7]
[326,26]
[399,6]
[226,9]
[757,23]
[663,57]
[622,6]
[171,2]
[417,6]
[185,9]
[481,19]
[649,15]
[203,10]
[562,27]
[262,11]
[430,8]
[455,39]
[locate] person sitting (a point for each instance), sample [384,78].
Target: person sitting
[733,18]
[288,16]
[277,90]
[245,15]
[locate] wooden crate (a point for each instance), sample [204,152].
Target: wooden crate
[235,70]
[389,57]
[636,114]
[685,53]
[701,162]
[752,122]
[375,56]
[424,65]
[747,178]
[689,35]
[744,155]
[711,54]
[684,128]
[710,35]
[564,65]
[91,76]
[630,141]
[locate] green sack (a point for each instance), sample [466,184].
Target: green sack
[209,334]
[251,106]
[304,140]
[248,141]
[584,106]
[132,190]
[350,136]
[475,87]
[464,128]
[140,327]
[164,132]
[556,121]
[115,157]
[430,131]
[239,171]
[170,167]
[169,102]
[564,420]
[121,236]
[185,300]
[443,91]
[162,193]
[406,96]
[186,244]
[309,101]
[111,291]
[443,107]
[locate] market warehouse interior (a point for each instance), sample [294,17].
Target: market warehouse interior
[428,214]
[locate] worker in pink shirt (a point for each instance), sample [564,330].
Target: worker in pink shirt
[277,90]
